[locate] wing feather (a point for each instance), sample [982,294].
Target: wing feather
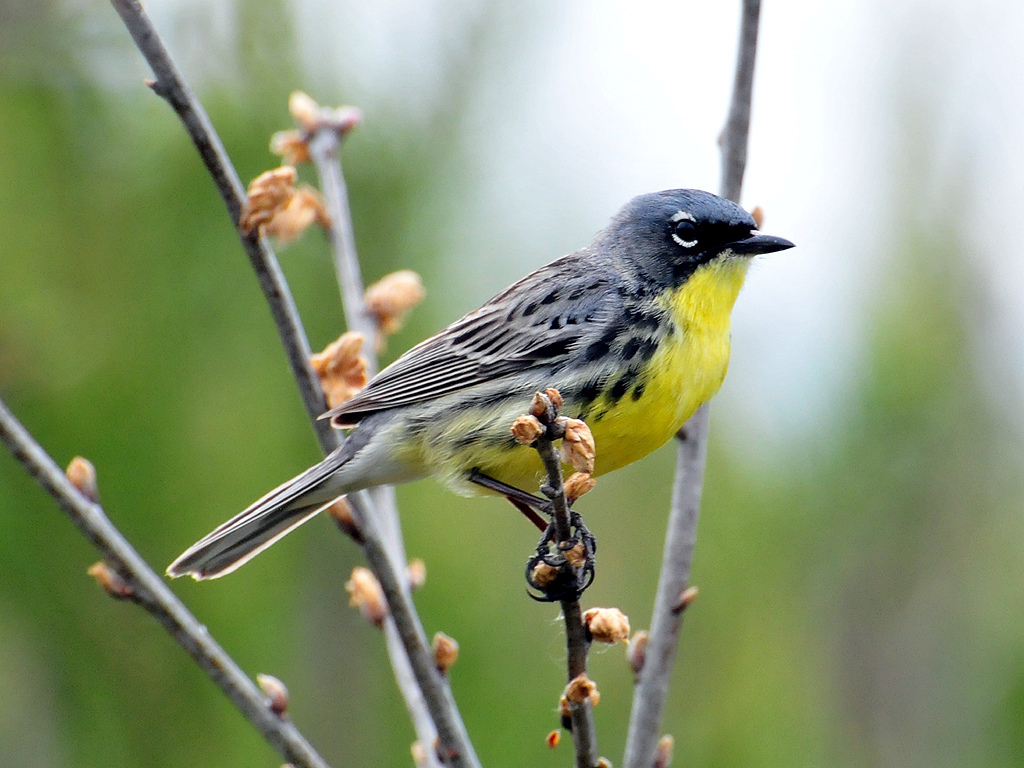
[539,321]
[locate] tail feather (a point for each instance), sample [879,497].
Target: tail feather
[263,522]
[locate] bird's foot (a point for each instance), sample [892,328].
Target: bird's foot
[562,570]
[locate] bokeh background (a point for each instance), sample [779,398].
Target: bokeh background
[860,545]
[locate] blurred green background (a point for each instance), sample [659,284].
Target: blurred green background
[859,556]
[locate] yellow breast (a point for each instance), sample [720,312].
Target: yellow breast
[685,372]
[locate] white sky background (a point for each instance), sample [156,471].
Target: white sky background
[584,104]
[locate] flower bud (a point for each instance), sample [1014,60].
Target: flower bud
[341,368]
[82,475]
[636,653]
[276,691]
[417,573]
[390,299]
[578,446]
[582,689]
[607,625]
[526,429]
[578,484]
[366,595]
[446,651]
[110,580]
[663,753]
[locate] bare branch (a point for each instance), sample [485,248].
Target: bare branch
[148,589]
[323,150]
[427,695]
[577,645]
[652,685]
[171,86]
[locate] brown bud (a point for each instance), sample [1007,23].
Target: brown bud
[446,651]
[636,653]
[82,475]
[578,484]
[758,216]
[291,146]
[304,208]
[366,595]
[543,574]
[416,573]
[577,555]
[420,756]
[563,708]
[663,753]
[390,299]
[268,194]
[342,120]
[554,396]
[554,737]
[526,429]
[607,625]
[304,110]
[341,368]
[686,597]
[539,406]
[582,689]
[341,513]
[276,691]
[110,580]
[578,446]
[603,762]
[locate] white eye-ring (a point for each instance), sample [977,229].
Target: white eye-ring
[684,229]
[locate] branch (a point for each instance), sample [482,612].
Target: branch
[652,685]
[171,86]
[427,695]
[581,712]
[149,591]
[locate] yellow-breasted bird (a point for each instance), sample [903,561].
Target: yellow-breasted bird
[632,330]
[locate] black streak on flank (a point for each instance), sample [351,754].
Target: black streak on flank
[601,347]
[622,385]
[590,391]
[638,391]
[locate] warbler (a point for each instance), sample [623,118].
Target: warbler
[632,330]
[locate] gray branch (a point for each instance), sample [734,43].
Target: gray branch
[584,733]
[172,87]
[652,686]
[428,698]
[149,590]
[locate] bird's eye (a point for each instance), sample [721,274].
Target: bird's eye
[685,233]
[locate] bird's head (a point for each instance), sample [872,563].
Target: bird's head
[668,235]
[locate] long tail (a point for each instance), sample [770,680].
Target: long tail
[265,521]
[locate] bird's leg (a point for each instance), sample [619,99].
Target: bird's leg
[546,571]
[525,502]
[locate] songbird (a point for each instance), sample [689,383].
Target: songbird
[632,330]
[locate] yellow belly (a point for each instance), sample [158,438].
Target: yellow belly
[685,372]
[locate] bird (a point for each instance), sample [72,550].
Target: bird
[633,330]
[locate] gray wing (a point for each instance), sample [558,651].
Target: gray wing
[539,321]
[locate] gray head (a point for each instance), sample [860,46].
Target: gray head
[668,235]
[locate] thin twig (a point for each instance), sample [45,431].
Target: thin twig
[382,543]
[323,151]
[172,87]
[584,734]
[652,685]
[453,746]
[150,591]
